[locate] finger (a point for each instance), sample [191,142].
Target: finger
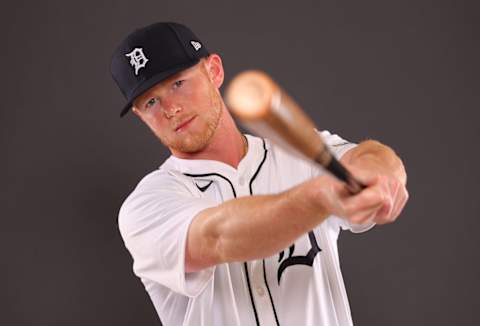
[366,199]
[401,201]
[366,216]
[364,177]
[391,191]
[395,199]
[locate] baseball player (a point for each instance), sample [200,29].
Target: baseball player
[230,229]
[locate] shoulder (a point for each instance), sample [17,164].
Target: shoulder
[155,192]
[162,180]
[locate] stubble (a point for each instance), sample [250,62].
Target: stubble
[193,143]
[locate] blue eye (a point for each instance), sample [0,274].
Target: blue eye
[151,102]
[178,83]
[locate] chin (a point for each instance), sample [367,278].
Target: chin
[191,145]
[192,148]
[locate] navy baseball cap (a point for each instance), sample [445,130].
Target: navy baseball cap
[152,54]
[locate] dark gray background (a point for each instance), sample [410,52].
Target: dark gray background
[402,72]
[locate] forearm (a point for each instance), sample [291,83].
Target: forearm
[253,227]
[373,155]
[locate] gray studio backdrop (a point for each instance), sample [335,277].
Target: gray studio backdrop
[403,72]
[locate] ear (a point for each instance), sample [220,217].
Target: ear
[215,69]
[135,110]
[137,113]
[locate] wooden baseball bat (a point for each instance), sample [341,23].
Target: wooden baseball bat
[267,110]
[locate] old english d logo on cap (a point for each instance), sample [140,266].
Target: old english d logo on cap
[137,59]
[152,54]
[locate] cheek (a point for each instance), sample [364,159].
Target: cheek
[157,124]
[198,95]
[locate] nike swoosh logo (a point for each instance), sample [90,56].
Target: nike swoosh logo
[204,188]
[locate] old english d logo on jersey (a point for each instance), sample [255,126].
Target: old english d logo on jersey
[298,260]
[259,300]
[137,59]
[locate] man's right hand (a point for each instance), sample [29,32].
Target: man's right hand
[254,227]
[381,201]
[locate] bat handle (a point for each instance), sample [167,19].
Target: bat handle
[338,170]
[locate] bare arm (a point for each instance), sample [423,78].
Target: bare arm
[249,228]
[374,161]
[375,156]
[255,227]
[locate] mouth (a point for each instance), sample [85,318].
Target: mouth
[184,124]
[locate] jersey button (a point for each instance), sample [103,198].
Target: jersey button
[241,181]
[260,291]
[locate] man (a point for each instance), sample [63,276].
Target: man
[232,230]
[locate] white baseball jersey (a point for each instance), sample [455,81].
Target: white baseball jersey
[301,285]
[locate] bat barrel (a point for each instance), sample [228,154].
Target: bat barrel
[264,108]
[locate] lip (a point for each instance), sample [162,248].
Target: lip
[184,124]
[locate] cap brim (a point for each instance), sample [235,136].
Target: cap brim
[152,81]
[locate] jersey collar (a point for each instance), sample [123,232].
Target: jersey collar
[247,165]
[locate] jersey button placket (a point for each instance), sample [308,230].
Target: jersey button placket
[260,290]
[262,300]
[241,181]
[242,184]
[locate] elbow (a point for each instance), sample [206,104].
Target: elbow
[203,247]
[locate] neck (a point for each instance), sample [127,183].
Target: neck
[226,145]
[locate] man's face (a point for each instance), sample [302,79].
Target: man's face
[184,110]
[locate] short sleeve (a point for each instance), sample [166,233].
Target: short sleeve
[154,222]
[339,146]
[354,228]
[336,144]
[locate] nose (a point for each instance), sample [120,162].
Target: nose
[171,108]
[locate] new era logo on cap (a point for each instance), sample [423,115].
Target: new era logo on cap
[196,45]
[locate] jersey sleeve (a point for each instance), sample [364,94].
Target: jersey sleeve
[336,144]
[154,222]
[339,146]
[354,228]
